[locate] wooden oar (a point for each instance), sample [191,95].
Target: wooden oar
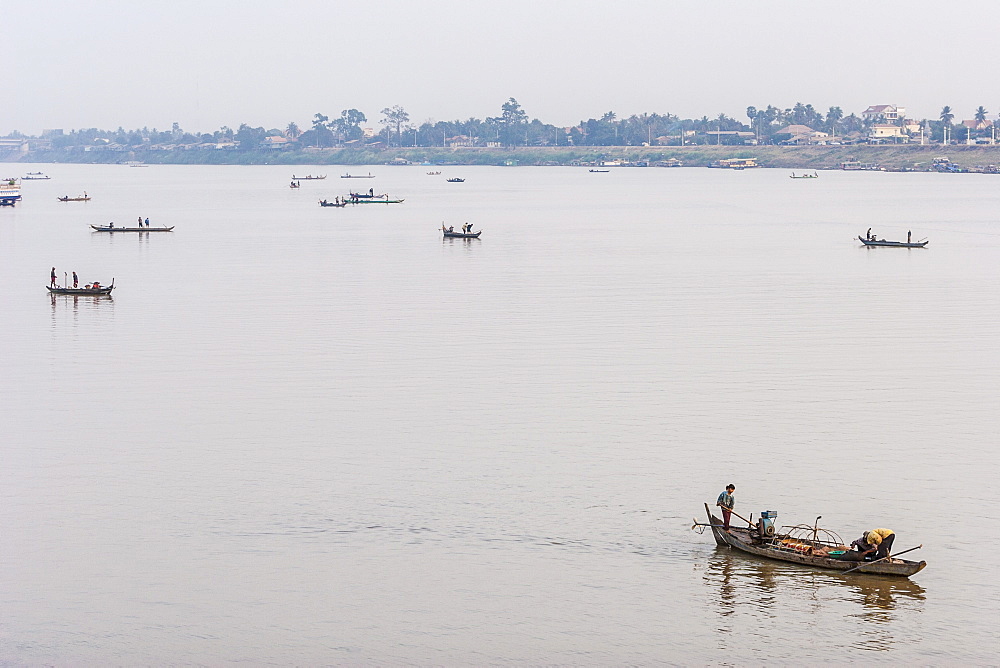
[739,516]
[869,563]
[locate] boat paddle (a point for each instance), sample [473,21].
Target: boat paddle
[869,563]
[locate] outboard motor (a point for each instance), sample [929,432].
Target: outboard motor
[765,525]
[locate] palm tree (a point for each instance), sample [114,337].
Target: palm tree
[946,115]
[981,114]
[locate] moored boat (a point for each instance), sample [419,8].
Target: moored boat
[100,290]
[599,171]
[324,202]
[35,176]
[82,198]
[10,191]
[462,235]
[370,195]
[805,545]
[456,180]
[109,228]
[310,177]
[357,176]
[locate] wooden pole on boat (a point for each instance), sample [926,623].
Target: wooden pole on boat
[869,563]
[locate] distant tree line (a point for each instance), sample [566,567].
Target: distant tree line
[512,127]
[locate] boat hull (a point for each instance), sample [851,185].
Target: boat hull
[892,244]
[374,201]
[80,291]
[102,228]
[462,235]
[743,540]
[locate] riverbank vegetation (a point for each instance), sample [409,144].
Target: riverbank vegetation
[799,136]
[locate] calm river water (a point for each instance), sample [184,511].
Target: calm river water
[305,435]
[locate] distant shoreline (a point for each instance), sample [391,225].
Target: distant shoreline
[891,156]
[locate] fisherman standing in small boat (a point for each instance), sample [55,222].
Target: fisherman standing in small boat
[76,281]
[52,277]
[726,502]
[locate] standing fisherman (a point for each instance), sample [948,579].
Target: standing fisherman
[727,503]
[52,277]
[76,281]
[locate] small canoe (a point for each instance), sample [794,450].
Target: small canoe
[106,228]
[599,171]
[357,176]
[35,176]
[367,196]
[456,180]
[799,550]
[85,198]
[462,235]
[324,202]
[103,290]
[309,178]
[897,244]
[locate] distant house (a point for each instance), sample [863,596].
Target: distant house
[976,125]
[459,140]
[884,131]
[276,143]
[802,134]
[884,112]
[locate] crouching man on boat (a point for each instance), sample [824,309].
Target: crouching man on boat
[877,541]
[726,502]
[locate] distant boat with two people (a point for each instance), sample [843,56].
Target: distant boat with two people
[35,176]
[814,175]
[357,176]
[110,227]
[82,198]
[310,177]
[872,240]
[466,233]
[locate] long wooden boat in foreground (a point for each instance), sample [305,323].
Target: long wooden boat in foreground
[83,198]
[108,228]
[897,244]
[794,544]
[324,202]
[103,290]
[462,235]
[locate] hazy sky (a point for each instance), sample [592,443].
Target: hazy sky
[224,62]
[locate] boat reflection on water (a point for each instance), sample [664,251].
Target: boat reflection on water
[743,580]
[77,301]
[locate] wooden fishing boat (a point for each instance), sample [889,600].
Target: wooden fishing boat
[84,198]
[456,180]
[599,171]
[433,173]
[294,184]
[309,178]
[108,228]
[373,201]
[324,202]
[35,176]
[898,244]
[368,196]
[794,545]
[462,235]
[103,290]
[358,176]
[814,175]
